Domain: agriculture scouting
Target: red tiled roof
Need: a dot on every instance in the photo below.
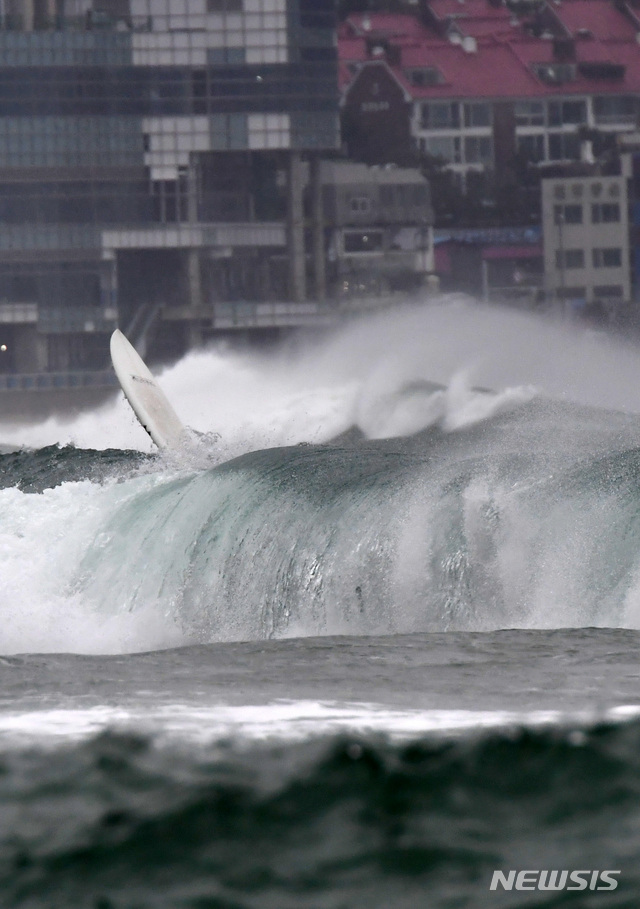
(627, 55)
(480, 28)
(502, 64)
(352, 49)
(387, 24)
(468, 9)
(599, 52)
(493, 71)
(600, 18)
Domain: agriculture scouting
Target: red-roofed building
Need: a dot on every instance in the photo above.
(486, 90)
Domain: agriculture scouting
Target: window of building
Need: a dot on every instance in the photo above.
(169, 203)
(615, 109)
(529, 113)
(419, 195)
(428, 75)
(403, 194)
(571, 293)
(446, 147)
(609, 257)
(561, 113)
(477, 114)
(317, 14)
(217, 56)
(224, 6)
(555, 73)
(440, 115)
(360, 204)
(387, 196)
(574, 112)
(358, 241)
(478, 150)
(608, 290)
(569, 258)
(602, 69)
(532, 148)
(229, 131)
(567, 214)
(605, 212)
(564, 147)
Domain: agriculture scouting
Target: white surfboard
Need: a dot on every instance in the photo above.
(148, 401)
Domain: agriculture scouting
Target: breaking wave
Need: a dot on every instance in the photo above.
(437, 506)
(375, 373)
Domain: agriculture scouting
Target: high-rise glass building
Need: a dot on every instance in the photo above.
(148, 156)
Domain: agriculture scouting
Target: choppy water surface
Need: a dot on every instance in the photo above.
(375, 637)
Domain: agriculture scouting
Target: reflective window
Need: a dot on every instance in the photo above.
(567, 214)
(440, 115)
(478, 150)
(363, 241)
(477, 114)
(608, 257)
(605, 212)
(570, 258)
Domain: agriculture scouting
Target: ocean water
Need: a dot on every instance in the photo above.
(373, 638)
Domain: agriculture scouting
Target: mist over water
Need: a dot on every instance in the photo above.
(312, 389)
(478, 512)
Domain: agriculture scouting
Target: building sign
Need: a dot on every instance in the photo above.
(373, 107)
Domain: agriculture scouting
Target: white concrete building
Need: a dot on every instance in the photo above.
(586, 241)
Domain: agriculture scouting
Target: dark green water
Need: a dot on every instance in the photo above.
(325, 677)
(322, 772)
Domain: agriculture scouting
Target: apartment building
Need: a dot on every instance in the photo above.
(488, 87)
(379, 229)
(587, 242)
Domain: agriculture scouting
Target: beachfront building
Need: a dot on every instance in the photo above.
(151, 167)
(378, 231)
(587, 243)
(491, 89)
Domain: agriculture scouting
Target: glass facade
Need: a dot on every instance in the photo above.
(112, 116)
